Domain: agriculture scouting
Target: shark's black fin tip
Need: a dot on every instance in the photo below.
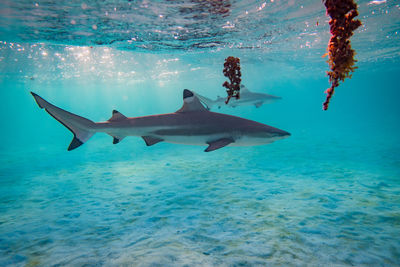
(37, 99)
(74, 144)
(218, 144)
(187, 93)
(115, 141)
(149, 140)
(116, 115)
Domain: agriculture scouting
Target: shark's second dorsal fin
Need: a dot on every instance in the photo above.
(191, 102)
(116, 116)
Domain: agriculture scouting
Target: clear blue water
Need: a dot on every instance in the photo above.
(329, 195)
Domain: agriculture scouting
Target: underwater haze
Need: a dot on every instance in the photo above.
(328, 195)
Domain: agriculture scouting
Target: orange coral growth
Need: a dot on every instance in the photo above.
(341, 55)
(232, 71)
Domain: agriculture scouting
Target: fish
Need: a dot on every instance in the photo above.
(247, 98)
(192, 124)
(376, 2)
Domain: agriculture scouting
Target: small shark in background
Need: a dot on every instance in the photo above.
(192, 124)
(247, 98)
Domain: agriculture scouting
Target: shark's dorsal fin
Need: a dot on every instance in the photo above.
(116, 116)
(244, 89)
(191, 102)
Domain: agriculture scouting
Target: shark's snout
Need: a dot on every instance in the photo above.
(270, 133)
(283, 133)
(278, 133)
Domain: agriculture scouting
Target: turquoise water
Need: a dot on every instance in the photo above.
(329, 195)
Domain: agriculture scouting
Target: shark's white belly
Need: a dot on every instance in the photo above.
(205, 140)
(200, 140)
(195, 139)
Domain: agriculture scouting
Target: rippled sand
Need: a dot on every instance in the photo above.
(172, 205)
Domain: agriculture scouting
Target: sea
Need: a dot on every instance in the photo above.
(328, 195)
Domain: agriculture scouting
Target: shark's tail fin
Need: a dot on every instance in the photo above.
(82, 128)
(206, 101)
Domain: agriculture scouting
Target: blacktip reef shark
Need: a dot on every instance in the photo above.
(247, 98)
(192, 124)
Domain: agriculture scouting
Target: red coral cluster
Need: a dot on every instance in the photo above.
(232, 71)
(341, 55)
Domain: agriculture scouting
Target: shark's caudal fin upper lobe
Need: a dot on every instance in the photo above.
(82, 128)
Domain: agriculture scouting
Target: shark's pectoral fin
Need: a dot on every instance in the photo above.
(74, 144)
(218, 144)
(150, 140)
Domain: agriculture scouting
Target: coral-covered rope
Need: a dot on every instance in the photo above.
(232, 71)
(341, 55)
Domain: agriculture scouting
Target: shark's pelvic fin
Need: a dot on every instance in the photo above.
(116, 116)
(150, 140)
(218, 144)
(81, 127)
(191, 102)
